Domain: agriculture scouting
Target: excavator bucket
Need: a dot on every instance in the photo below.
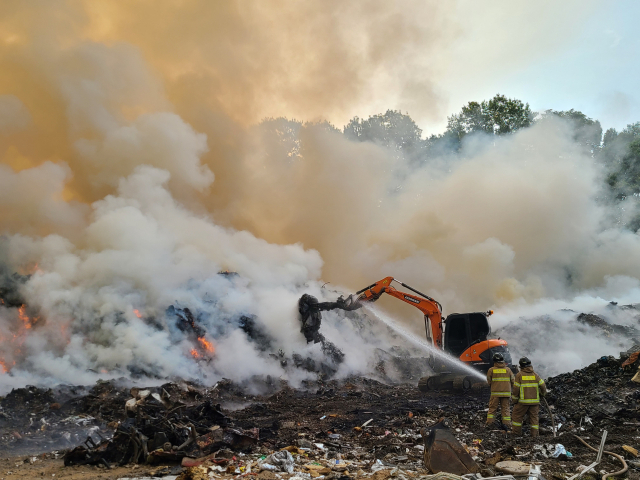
(443, 452)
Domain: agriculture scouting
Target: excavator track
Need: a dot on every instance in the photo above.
(461, 384)
(456, 383)
(426, 384)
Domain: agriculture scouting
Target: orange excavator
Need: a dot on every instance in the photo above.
(463, 336)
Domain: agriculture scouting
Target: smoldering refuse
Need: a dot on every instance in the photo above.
(127, 184)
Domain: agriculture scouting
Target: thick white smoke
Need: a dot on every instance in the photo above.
(128, 180)
(552, 333)
(140, 253)
(97, 299)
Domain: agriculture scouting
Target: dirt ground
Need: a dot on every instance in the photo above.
(45, 467)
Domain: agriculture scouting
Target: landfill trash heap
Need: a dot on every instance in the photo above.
(356, 427)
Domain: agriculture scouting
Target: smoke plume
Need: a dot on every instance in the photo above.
(134, 168)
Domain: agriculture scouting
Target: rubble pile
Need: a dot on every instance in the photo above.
(327, 429)
(599, 396)
(544, 338)
(607, 327)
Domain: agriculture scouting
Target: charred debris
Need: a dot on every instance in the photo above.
(328, 429)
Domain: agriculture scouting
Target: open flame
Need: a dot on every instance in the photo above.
(137, 313)
(16, 339)
(208, 346)
(24, 317)
(29, 269)
(203, 347)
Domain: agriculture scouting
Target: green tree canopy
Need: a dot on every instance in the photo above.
(621, 155)
(281, 137)
(586, 131)
(615, 146)
(392, 129)
(625, 177)
(609, 136)
(498, 116)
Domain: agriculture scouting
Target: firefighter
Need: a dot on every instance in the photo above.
(527, 389)
(500, 378)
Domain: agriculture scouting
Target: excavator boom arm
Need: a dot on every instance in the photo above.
(429, 307)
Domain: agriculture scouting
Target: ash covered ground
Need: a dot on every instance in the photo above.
(355, 427)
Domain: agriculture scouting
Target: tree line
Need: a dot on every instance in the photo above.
(617, 152)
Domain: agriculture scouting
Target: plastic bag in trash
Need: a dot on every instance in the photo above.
(560, 450)
(282, 460)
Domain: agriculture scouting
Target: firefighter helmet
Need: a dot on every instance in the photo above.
(525, 362)
(497, 357)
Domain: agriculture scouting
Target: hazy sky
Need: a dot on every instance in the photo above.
(583, 55)
(330, 59)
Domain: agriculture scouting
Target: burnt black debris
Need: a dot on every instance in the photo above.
(256, 332)
(600, 395)
(185, 320)
(606, 327)
(10, 281)
(341, 426)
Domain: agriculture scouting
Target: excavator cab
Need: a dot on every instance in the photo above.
(464, 329)
(466, 336)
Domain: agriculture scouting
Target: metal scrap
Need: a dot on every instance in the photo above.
(444, 453)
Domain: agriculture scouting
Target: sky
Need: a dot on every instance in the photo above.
(334, 60)
(600, 72)
(584, 56)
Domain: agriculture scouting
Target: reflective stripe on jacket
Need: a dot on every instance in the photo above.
(527, 387)
(500, 377)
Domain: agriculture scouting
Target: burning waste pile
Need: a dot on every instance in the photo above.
(325, 424)
(204, 337)
(164, 251)
(315, 415)
(353, 427)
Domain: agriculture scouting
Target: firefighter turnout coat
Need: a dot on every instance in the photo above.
(527, 389)
(500, 378)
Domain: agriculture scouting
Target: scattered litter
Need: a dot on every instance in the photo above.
(583, 469)
(228, 431)
(535, 472)
(281, 461)
(560, 450)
